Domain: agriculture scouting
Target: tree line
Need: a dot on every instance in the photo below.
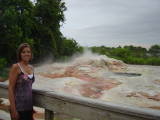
(131, 54)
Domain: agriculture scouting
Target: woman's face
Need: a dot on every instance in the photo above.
(26, 54)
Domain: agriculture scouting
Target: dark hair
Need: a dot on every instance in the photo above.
(20, 49)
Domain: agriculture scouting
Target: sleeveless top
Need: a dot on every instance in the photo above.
(23, 91)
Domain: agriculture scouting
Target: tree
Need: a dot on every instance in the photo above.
(37, 24)
(15, 25)
(155, 50)
(70, 46)
(48, 17)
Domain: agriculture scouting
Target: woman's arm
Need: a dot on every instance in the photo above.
(12, 83)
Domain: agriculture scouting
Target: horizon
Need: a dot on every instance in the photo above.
(113, 23)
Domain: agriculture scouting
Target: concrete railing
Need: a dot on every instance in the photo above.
(85, 108)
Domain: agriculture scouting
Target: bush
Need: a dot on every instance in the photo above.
(3, 63)
(3, 68)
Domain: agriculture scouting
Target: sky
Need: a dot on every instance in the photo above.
(113, 22)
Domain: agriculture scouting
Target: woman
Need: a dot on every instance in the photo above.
(21, 77)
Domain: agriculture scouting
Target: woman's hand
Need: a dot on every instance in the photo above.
(14, 115)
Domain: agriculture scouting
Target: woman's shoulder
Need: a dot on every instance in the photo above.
(15, 67)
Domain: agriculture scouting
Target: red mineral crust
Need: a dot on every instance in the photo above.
(95, 89)
(95, 85)
(155, 97)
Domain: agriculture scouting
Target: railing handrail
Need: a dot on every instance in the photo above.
(59, 102)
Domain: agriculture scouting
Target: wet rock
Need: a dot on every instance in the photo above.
(157, 82)
(155, 97)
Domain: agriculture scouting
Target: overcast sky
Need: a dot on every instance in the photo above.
(113, 22)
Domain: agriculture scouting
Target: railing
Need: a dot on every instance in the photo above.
(85, 108)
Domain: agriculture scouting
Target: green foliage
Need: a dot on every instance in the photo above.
(70, 46)
(37, 24)
(120, 52)
(15, 25)
(3, 69)
(3, 63)
(155, 50)
(132, 54)
(48, 14)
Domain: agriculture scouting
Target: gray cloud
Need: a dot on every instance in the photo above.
(113, 23)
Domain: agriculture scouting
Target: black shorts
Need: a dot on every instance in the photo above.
(26, 115)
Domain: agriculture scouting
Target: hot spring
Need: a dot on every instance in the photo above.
(103, 78)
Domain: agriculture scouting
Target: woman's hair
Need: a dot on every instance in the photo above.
(20, 49)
